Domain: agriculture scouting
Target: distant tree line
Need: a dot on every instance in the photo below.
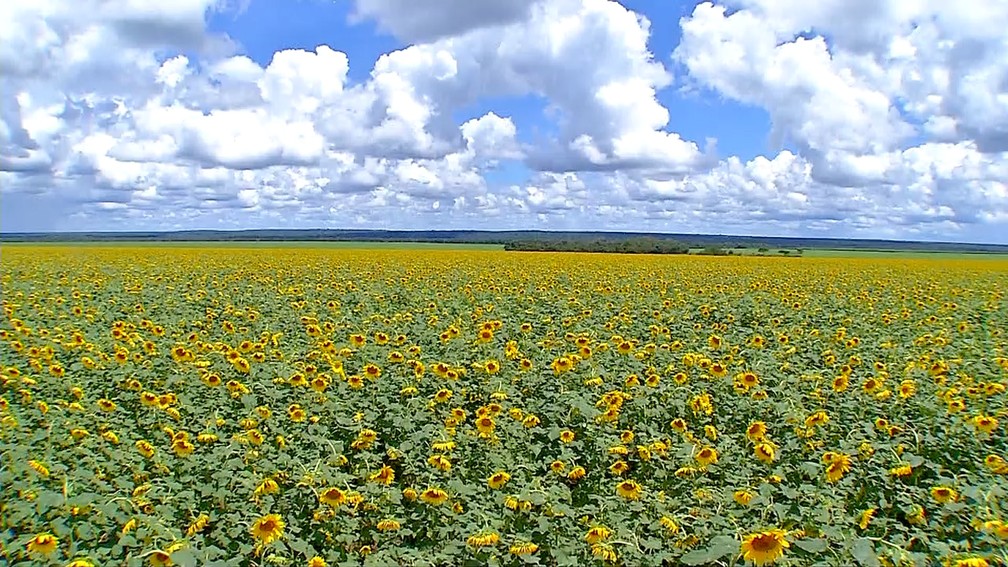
(642, 245)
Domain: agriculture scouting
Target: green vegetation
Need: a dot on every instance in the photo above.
(643, 245)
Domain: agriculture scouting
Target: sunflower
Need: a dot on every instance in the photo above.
(865, 518)
(523, 548)
(388, 525)
(498, 479)
(484, 539)
(748, 380)
(567, 436)
(145, 448)
(756, 431)
(198, 525)
(956, 405)
(267, 486)
(596, 534)
(619, 468)
(183, 447)
(706, 456)
(765, 452)
(907, 388)
(972, 562)
(763, 548)
(817, 418)
(160, 558)
(268, 528)
(944, 494)
(434, 496)
(319, 383)
(562, 364)
(43, 470)
(317, 561)
(985, 423)
(840, 383)
(44, 543)
(629, 490)
(332, 496)
(485, 425)
(296, 413)
(385, 475)
(742, 497)
(839, 464)
(254, 437)
(643, 452)
(440, 462)
(669, 524)
(996, 464)
(902, 470)
(605, 552)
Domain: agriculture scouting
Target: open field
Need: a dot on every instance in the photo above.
(316, 405)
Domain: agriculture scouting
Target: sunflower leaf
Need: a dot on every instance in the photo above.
(864, 552)
(719, 547)
(817, 545)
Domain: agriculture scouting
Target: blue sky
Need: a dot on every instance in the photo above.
(764, 117)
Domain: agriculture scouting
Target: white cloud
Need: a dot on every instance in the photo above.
(492, 137)
(895, 113)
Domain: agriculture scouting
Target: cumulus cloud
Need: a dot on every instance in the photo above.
(889, 118)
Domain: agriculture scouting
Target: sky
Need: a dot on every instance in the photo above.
(827, 118)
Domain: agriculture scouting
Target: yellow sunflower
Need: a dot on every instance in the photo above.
(763, 548)
(268, 528)
(629, 489)
(434, 496)
(498, 479)
(706, 456)
(944, 494)
(765, 452)
(44, 543)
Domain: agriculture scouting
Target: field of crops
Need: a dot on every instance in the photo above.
(299, 406)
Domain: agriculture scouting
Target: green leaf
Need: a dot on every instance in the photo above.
(817, 545)
(185, 557)
(719, 547)
(864, 552)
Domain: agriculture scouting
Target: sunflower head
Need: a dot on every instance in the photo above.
(764, 547)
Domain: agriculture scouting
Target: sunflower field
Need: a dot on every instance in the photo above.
(321, 407)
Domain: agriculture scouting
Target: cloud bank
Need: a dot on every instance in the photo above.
(888, 119)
